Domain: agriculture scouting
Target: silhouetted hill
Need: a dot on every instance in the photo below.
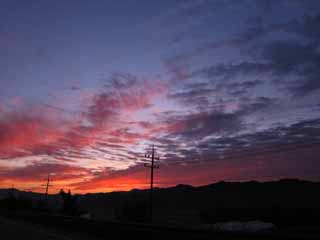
(286, 198)
(4, 193)
(218, 201)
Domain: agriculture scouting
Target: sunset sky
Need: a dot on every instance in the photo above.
(225, 89)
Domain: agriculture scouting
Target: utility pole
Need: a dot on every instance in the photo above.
(47, 185)
(152, 166)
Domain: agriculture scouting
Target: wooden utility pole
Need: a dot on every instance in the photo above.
(47, 185)
(152, 166)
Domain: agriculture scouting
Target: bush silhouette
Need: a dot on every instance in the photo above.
(69, 203)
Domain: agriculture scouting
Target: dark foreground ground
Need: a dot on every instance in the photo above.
(182, 212)
(44, 226)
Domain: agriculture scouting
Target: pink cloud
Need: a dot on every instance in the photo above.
(45, 130)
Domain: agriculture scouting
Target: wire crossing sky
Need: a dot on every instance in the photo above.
(225, 90)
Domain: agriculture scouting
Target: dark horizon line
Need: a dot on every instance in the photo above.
(177, 185)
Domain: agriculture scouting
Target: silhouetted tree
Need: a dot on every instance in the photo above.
(69, 203)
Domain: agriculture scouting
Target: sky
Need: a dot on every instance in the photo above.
(226, 90)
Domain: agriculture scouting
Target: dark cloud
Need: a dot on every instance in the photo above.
(307, 85)
(199, 125)
(231, 71)
(307, 27)
(194, 95)
(204, 96)
(285, 51)
(253, 105)
(204, 135)
(74, 88)
(242, 88)
(186, 10)
(290, 56)
(295, 59)
(288, 140)
(257, 29)
(292, 63)
(216, 118)
(310, 27)
(39, 172)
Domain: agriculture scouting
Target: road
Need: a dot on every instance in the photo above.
(55, 227)
(13, 230)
